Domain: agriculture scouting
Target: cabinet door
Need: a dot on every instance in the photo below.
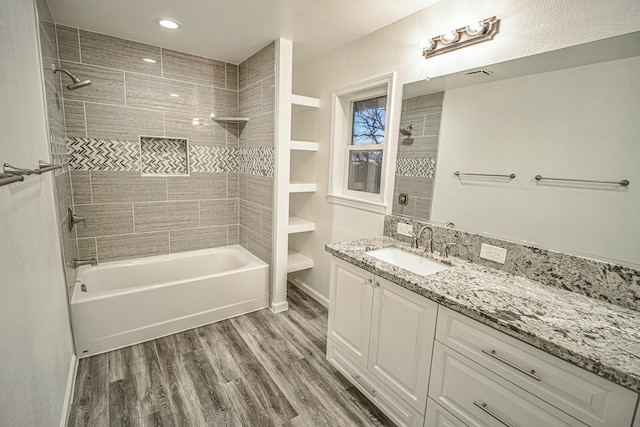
(351, 296)
(437, 416)
(402, 333)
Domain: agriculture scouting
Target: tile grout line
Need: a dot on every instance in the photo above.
(133, 217)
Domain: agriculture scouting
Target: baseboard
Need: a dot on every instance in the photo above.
(68, 395)
(279, 307)
(317, 296)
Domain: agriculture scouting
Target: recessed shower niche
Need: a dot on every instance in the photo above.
(164, 156)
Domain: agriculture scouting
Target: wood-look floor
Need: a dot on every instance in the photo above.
(260, 369)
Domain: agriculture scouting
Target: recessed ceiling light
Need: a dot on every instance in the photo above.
(175, 95)
(169, 23)
(149, 60)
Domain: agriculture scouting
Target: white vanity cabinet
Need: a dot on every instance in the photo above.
(587, 397)
(386, 329)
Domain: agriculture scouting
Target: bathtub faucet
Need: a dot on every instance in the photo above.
(84, 261)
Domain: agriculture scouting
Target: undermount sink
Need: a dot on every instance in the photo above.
(414, 263)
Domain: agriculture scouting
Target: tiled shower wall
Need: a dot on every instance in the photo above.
(57, 133)
(257, 101)
(416, 164)
(129, 214)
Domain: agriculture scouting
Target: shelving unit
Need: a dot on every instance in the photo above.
(300, 225)
(297, 261)
(230, 119)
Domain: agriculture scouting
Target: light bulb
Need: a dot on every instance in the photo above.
(428, 45)
(450, 37)
(477, 28)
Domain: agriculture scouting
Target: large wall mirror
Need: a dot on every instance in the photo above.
(572, 113)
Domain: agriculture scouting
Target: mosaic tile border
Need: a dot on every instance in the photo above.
(419, 167)
(91, 154)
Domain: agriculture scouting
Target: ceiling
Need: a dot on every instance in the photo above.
(232, 30)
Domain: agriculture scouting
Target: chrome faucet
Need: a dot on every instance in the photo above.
(429, 246)
(84, 261)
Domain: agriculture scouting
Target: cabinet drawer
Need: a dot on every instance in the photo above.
(395, 408)
(585, 396)
(437, 416)
(481, 398)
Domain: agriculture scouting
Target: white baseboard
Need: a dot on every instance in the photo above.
(68, 395)
(317, 296)
(279, 307)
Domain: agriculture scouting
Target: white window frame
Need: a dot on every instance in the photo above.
(341, 126)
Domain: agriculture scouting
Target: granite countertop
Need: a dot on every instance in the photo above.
(600, 337)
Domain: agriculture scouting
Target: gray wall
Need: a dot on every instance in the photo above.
(416, 164)
(37, 351)
(131, 215)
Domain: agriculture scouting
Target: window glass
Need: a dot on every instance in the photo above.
(369, 119)
(365, 169)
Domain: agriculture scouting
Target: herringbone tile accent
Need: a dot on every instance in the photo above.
(213, 159)
(256, 161)
(422, 167)
(59, 152)
(163, 156)
(92, 154)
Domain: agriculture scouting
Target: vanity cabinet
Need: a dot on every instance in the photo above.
(384, 328)
(587, 397)
(384, 339)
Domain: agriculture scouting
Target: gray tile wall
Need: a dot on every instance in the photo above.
(57, 134)
(415, 167)
(129, 215)
(256, 83)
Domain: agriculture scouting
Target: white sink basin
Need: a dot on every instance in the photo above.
(414, 263)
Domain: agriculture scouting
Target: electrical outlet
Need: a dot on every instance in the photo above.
(493, 253)
(404, 229)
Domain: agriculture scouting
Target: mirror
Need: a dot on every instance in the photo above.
(571, 113)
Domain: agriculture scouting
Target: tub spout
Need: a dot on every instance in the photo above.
(84, 261)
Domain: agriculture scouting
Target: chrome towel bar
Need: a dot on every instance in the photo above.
(624, 182)
(510, 176)
(11, 174)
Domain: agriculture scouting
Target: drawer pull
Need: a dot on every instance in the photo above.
(357, 379)
(531, 373)
(483, 406)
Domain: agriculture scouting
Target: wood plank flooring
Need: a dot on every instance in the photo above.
(260, 369)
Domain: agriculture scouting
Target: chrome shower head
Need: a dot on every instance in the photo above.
(407, 131)
(77, 83)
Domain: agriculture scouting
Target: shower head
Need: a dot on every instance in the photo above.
(406, 131)
(77, 83)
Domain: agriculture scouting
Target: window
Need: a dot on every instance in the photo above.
(364, 153)
(360, 139)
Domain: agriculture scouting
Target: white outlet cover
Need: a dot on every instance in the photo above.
(493, 253)
(404, 229)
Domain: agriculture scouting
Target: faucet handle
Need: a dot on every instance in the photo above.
(414, 241)
(445, 248)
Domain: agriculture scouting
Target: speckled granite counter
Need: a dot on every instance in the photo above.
(600, 337)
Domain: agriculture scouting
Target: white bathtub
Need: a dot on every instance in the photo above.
(127, 302)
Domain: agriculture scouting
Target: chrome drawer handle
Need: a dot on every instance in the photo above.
(483, 406)
(357, 379)
(531, 373)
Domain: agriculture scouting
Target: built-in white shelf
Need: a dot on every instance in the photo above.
(297, 262)
(301, 103)
(302, 187)
(230, 119)
(304, 146)
(300, 225)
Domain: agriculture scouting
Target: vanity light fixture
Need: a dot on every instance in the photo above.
(473, 33)
(169, 24)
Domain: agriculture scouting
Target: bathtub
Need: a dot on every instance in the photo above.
(128, 302)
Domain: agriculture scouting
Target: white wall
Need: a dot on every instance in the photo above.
(36, 350)
(581, 122)
(527, 27)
